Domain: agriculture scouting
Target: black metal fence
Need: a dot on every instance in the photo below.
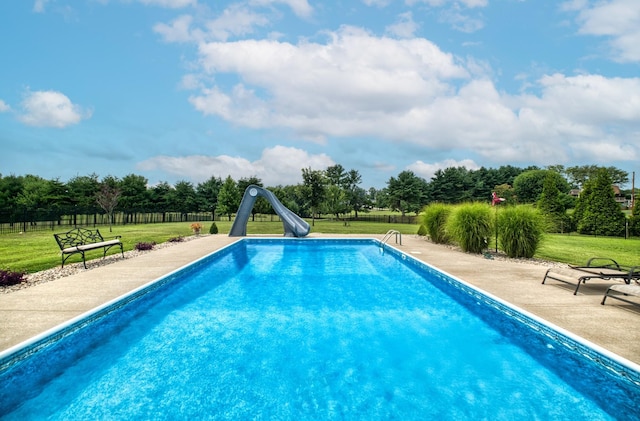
(25, 220)
(39, 220)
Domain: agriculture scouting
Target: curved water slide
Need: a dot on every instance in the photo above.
(294, 226)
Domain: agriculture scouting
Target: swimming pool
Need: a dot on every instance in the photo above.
(312, 329)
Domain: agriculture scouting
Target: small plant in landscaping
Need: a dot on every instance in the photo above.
(178, 239)
(145, 246)
(8, 277)
(213, 229)
(196, 227)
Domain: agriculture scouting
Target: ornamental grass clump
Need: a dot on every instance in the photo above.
(470, 225)
(520, 230)
(434, 219)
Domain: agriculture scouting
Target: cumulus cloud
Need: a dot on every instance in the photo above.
(337, 88)
(236, 20)
(279, 165)
(618, 20)
(50, 109)
(4, 107)
(427, 171)
(348, 87)
(405, 27)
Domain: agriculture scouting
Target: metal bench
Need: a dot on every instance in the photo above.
(80, 240)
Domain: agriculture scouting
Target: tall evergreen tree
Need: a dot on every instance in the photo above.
(602, 215)
(552, 206)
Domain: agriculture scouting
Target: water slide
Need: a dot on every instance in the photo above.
(294, 226)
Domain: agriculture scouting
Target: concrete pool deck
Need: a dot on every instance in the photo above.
(28, 312)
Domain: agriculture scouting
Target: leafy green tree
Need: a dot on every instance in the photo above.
(313, 190)
(335, 202)
(579, 175)
(528, 185)
(229, 197)
(291, 197)
(356, 196)
(601, 213)
(207, 193)
(407, 193)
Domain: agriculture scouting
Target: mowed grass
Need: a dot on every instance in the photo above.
(577, 249)
(36, 251)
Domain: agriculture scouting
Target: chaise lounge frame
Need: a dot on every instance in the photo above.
(603, 268)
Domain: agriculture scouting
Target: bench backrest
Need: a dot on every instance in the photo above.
(78, 237)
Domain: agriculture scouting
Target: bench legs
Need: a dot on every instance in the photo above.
(84, 261)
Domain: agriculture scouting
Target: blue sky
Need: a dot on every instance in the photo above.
(188, 89)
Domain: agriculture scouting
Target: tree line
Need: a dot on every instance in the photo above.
(332, 191)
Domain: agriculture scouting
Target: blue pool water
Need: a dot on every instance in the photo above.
(312, 329)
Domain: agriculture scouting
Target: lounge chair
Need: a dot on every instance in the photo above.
(619, 292)
(602, 268)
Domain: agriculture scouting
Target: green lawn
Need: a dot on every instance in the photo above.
(35, 251)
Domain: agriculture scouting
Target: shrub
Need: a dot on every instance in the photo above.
(520, 230)
(422, 231)
(8, 277)
(178, 239)
(145, 246)
(470, 225)
(434, 219)
(213, 229)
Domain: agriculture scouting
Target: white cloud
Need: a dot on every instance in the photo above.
(4, 107)
(335, 89)
(236, 20)
(178, 31)
(300, 8)
(427, 171)
(405, 27)
(277, 165)
(619, 20)
(461, 21)
(50, 109)
(171, 4)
